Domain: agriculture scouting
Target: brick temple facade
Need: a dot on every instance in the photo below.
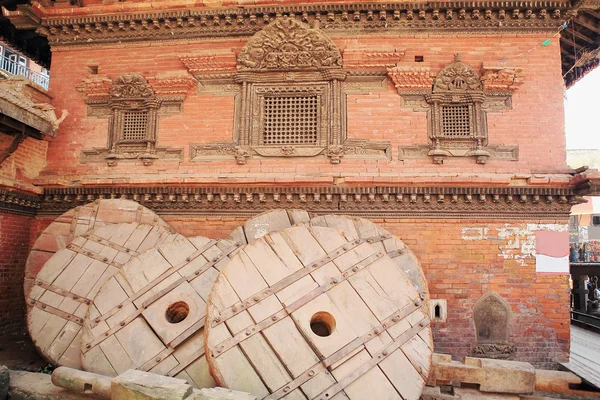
(442, 123)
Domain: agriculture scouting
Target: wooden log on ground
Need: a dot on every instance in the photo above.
(83, 382)
(308, 313)
(69, 280)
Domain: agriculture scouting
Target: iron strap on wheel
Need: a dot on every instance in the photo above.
(55, 311)
(108, 243)
(287, 281)
(254, 329)
(346, 350)
(62, 292)
(190, 331)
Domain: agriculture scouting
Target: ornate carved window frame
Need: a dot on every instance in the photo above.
(132, 93)
(457, 85)
(298, 59)
(129, 94)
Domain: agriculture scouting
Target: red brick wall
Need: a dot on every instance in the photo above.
(26, 162)
(461, 271)
(535, 123)
(14, 247)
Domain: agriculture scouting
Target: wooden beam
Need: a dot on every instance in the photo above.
(583, 37)
(592, 13)
(567, 53)
(17, 140)
(589, 25)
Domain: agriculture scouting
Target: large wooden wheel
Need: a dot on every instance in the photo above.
(361, 228)
(308, 313)
(69, 280)
(353, 228)
(150, 316)
(78, 221)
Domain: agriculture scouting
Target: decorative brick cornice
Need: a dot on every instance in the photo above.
(411, 78)
(362, 59)
(375, 201)
(493, 16)
(14, 202)
(501, 77)
(96, 88)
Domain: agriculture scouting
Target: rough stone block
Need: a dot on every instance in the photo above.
(507, 376)
(139, 385)
(499, 376)
(31, 385)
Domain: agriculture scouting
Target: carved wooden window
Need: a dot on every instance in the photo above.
(292, 102)
(135, 126)
(290, 96)
(290, 119)
(457, 122)
(132, 108)
(135, 111)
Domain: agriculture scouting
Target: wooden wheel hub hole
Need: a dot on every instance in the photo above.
(177, 312)
(322, 324)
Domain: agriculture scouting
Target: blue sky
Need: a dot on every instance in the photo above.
(582, 113)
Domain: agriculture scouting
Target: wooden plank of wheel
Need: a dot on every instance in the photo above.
(353, 228)
(269, 221)
(150, 316)
(309, 313)
(69, 280)
(78, 221)
(361, 228)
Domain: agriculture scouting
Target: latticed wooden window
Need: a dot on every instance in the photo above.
(291, 120)
(135, 126)
(457, 121)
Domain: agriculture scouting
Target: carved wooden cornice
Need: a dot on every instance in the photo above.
(88, 29)
(375, 201)
(13, 202)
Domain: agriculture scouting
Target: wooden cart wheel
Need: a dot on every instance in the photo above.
(270, 221)
(150, 316)
(361, 228)
(307, 313)
(353, 227)
(69, 280)
(78, 221)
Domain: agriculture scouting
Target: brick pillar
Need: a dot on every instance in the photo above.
(14, 247)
